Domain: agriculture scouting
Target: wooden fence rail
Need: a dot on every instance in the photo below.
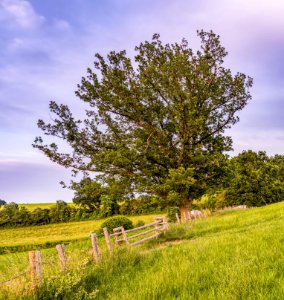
(120, 234)
(123, 236)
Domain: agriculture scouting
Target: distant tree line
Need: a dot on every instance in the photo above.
(14, 215)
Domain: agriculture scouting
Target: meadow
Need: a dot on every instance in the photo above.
(35, 237)
(231, 255)
(33, 206)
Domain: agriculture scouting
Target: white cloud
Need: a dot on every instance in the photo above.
(21, 12)
(61, 24)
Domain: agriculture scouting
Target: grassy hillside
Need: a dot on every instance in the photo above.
(233, 255)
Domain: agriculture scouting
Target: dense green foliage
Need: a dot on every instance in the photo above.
(233, 255)
(92, 195)
(255, 180)
(142, 205)
(13, 215)
(2, 202)
(171, 215)
(250, 178)
(153, 126)
(117, 221)
(213, 200)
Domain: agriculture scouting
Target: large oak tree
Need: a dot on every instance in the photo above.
(154, 125)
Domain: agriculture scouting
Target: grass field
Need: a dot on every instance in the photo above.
(33, 206)
(233, 255)
(32, 237)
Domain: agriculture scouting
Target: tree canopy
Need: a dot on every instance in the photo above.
(255, 179)
(155, 124)
(2, 202)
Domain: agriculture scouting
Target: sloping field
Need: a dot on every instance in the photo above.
(33, 237)
(33, 206)
(233, 255)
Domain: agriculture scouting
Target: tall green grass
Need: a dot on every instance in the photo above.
(234, 255)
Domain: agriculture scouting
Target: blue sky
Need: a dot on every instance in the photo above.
(46, 46)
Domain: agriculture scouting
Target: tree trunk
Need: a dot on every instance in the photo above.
(185, 210)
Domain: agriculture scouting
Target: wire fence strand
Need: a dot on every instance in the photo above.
(14, 278)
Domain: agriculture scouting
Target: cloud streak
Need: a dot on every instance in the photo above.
(21, 13)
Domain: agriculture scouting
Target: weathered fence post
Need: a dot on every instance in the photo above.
(161, 221)
(95, 247)
(32, 268)
(124, 235)
(189, 216)
(108, 241)
(178, 219)
(156, 220)
(38, 267)
(184, 217)
(117, 233)
(165, 224)
(35, 268)
(62, 257)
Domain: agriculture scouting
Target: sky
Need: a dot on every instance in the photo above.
(46, 47)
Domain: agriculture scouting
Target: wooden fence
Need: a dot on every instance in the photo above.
(190, 215)
(124, 236)
(120, 235)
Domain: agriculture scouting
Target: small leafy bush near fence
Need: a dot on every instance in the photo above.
(172, 211)
(117, 221)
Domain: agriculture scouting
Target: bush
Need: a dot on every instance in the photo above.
(117, 221)
(211, 201)
(172, 211)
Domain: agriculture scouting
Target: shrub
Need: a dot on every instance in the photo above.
(172, 211)
(117, 221)
(211, 201)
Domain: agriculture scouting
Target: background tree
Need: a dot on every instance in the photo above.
(60, 212)
(87, 193)
(13, 215)
(2, 202)
(278, 160)
(102, 199)
(255, 180)
(154, 126)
